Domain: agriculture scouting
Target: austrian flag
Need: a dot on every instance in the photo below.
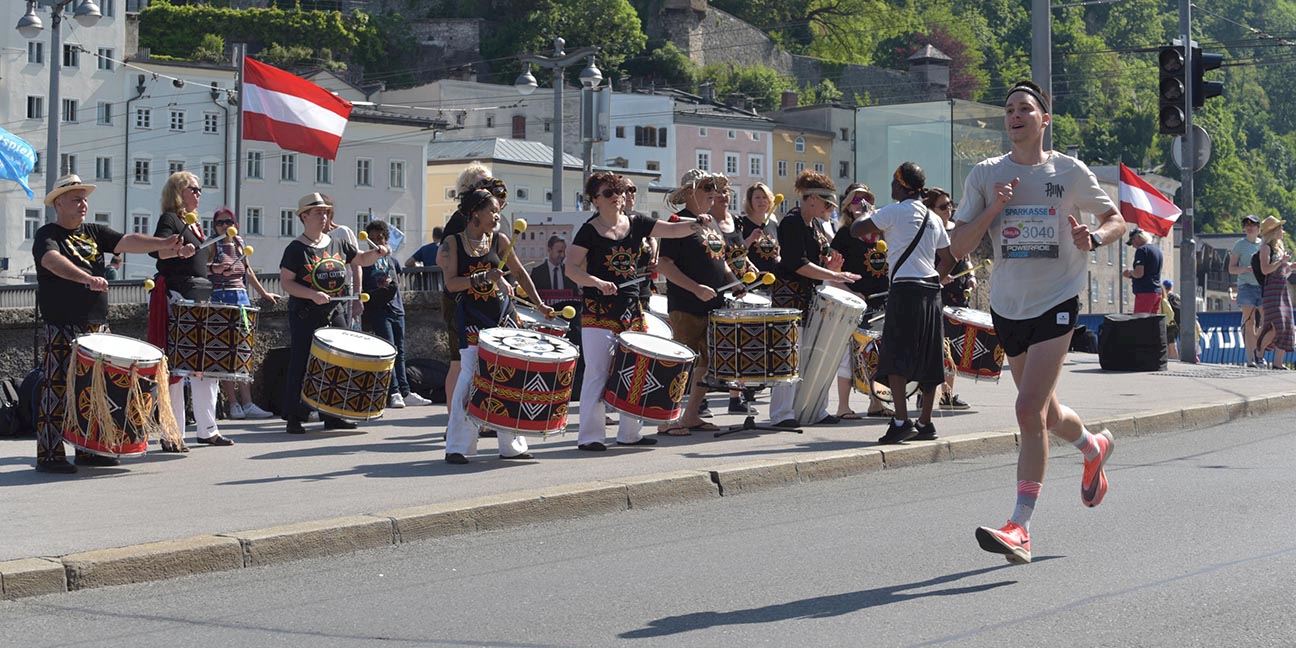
(1141, 204)
(290, 111)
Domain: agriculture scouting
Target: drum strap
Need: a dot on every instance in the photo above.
(912, 244)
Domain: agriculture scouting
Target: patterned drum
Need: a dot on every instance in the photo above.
(211, 339)
(112, 394)
(649, 377)
(348, 374)
(753, 345)
(865, 344)
(534, 320)
(975, 347)
(523, 382)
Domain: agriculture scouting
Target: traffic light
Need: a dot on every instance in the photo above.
(1203, 90)
(1170, 92)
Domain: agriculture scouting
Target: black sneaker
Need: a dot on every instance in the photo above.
(737, 406)
(953, 402)
(55, 466)
(456, 458)
(898, 433)
(295, 427)
(925, 432)
(335, 423)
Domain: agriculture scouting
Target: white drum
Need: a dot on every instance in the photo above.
(657, 304)
(659, 326)
(750, 300)
(834, 316)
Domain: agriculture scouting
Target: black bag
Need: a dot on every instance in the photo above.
(427, 377)
(29, 402)
(8, 408)
(267, 391)
(1083, 340)
(1255, 269)
(1133, 342)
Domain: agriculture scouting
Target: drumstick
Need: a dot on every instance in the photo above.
(362, 297)
(984, 264)
(519, 226)
(230, 233)
(766, 278)
(567, 312)
(364, 236)
(632, 282)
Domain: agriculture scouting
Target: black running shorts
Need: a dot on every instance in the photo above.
(1018, 335)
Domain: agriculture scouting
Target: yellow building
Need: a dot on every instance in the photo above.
(795, 150)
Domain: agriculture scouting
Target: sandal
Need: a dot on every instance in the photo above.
(704, 427)
(850, 415)
(882, 413)
(675, 431)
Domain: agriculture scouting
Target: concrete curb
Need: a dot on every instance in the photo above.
(338, 536)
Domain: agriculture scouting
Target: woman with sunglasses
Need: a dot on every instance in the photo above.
(230, 274)
(954, 292)
(862, 257)
(470, 263)
(736, 255)
(604, 254)
(804, 260)
(184, 278)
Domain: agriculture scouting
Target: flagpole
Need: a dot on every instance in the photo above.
(240, 50)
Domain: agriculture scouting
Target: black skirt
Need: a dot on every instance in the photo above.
(913, 337)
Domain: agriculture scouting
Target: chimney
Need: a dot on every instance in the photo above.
(706, 90)
(735, 99)
(931, 66)
(789, 100)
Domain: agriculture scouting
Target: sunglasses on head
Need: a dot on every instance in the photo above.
(709, 185)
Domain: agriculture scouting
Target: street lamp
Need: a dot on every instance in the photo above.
(558, 62)
(30, 26)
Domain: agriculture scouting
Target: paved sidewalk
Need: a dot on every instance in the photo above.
(271, 478)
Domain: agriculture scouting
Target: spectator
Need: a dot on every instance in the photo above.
(384, 314)
(1273, 264)
(550, 273)
(426, 256)
(1145, 276)
(1248, 290)
(113, 271)
(1172, 322)
(230, 276)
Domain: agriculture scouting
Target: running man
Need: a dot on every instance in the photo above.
(1030, 201)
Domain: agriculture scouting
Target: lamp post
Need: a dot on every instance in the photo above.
(559, 61)
(30, 26)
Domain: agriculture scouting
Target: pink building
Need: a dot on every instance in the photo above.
(722, 139)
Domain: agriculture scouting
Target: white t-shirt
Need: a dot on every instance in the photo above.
(899, 224)
(1037, 265)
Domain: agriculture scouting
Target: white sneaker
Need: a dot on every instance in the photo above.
(313, 417)
(253, 412)
(415, 400)
(236, 411)
(396, 402)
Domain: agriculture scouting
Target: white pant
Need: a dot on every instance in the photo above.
(203, 392)
(596, 347)
(461, 434)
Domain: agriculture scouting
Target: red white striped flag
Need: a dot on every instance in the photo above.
(1141, 204)
(290, 111)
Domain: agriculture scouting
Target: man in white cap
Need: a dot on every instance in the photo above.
(71, 259)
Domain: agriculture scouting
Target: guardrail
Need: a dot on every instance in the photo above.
(131, 291)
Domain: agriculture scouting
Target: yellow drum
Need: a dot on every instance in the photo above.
(348, 374)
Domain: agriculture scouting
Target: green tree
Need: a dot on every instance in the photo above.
(764, 85)
(211, 49)
(666, 66)
(612, 25)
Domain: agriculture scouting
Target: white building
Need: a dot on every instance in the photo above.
(643, 135)
(834, 118)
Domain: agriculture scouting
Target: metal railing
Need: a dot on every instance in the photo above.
(131, 291)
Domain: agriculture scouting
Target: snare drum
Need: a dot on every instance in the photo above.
(534, 320)
(973, 344)
(655, 325)
(348, 374)
(649, 377)
(753, 345)
(657, 304)
(211, 339)
(523, 382)
(112, 395)
(749, 300)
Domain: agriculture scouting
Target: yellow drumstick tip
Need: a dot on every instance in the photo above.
(231, 231)
(148, 285)
(778, 199)
(363, 235)
(248, 250)
(191, 217)
(767, 278)
(988, 264)
(519, 226)
(364, 298)
(881, 246)
(520, 291)
(749, 277)
(567, 312)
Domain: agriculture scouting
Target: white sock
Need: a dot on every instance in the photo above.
(1088, 445)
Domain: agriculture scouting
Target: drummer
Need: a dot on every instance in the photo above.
(604, 254)
(862, 257)
(694, 267)
(804, 255)
(313, 271)
(735, 250)
(470, 263)
(230, 275)
(184, 279)
(955, 292)
(72, 294)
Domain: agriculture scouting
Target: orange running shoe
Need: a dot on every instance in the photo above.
(1093, 482)
(1012, 540)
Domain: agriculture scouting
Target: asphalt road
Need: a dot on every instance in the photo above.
(1195, 546)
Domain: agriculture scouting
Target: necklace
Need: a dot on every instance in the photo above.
(477, 247)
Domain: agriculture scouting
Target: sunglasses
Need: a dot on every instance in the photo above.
(945, 205)
(225, 223)
(495, 186)
(608, 193)
(630, 189)
(196, 190)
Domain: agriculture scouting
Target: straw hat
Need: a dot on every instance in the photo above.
(1269, 224)
(313, 200)
(691, 179)
(70, 182)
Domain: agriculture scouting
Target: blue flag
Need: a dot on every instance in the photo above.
(17, 160)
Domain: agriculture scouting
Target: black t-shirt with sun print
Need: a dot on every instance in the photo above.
(616, 261)
(319, 268)
(68, 302)
(764, 251)
(700, 256)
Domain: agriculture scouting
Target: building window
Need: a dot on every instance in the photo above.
(35, 52)
(103, 114)
(800, 166)
(782, 168)
(733, 198)
(140, 223)
(143, 118)
(177, 120)
(523, 194)
(175, 166)
(1111, 293)
(1093, 289)
(519, 127)
(35, 107)
(107, 8)
(490, 121)
(620, 132)
(31, 223)
(732, 135)
(661, 137)
(105, 58)
(364, 175)
(798, 145)
(704, 160)
(649, 136)
(396, 220)
(323, 171)
(755, 165)
(67, 163)
(288, 167)
(362, 219)
(845, 133)
(731, 164)
(397, 173)
(819, 167)
(843, 169)
(755, 137)
(103, 218)
(252, 223)
(70, 108)
(210, 175)
(653, 165)
(548, 126)
(211, 123)
(254, 165)
(1111, 254)
(702, 132)
(287, 223)
(71, 55)
(206, 223)
(36, 168)
(103, 168)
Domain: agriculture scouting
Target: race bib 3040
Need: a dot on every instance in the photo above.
(1030, 232)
